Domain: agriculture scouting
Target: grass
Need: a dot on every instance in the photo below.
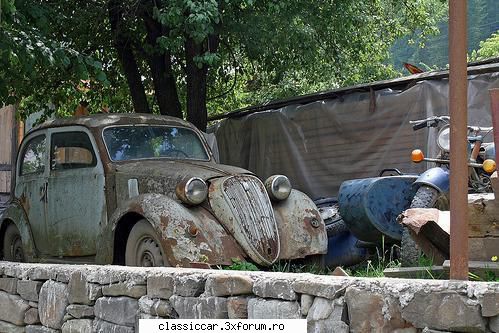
(239, 265)
(487, 276)
(286, 266)
(385, 257)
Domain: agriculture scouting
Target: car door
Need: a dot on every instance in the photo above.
(76, 201)
(31, 186)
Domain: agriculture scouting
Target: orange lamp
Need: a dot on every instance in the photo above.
(489, 166)
(417, 156)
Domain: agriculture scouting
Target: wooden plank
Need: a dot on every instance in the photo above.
(480, 268)
(9, 180)
(3, 182)
(430, 229)
(6, 130)
(432, 272)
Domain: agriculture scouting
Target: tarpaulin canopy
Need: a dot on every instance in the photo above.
(321, 140)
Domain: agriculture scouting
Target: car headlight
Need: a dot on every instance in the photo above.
(192, 191)
(443, 138)
(278, 187)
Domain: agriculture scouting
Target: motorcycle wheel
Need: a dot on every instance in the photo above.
(425, 197)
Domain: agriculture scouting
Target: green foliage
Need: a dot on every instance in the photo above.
(371, 269)
(287, 266)
(46, 62)
(280, 266)
(285, 49)
(385, 258)
(489, 48)
(486, 276)
(239, 265)
(433, 52)
(254, 51)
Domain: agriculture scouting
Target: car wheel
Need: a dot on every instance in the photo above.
(143, 247)
(12, 244)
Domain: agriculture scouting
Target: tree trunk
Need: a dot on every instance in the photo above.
(127, 58)
(165, 85)
(196, 86)
(197, 80)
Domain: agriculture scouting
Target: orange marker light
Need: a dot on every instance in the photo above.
(489, 166)
(417, 156)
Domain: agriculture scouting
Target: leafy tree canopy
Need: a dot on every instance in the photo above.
(35, 67)
(489, 48)
(186, 57)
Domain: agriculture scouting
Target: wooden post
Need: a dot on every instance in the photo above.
(458, 91)
(494, 108)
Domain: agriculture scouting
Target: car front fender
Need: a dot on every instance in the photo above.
(15, 214)
(301, 229)
(188, 234)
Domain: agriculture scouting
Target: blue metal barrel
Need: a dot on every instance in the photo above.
(343, 250)
(370, 206)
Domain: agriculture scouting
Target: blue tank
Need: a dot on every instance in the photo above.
(343, 250)
(370, 206)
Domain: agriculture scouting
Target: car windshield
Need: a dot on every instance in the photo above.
(141, 142)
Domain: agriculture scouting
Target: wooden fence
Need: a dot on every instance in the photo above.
(8, 142)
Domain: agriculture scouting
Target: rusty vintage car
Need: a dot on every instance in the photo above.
(144, 190)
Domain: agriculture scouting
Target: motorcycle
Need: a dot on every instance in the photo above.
(433, 184)
(369, 207)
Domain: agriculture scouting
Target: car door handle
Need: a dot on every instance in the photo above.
(44, 192)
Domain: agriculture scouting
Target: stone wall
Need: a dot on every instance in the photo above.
(67, 298)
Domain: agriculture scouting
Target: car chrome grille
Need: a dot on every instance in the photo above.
(251, 206)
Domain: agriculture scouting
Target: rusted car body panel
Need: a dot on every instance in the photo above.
(15, 213)
(187, 235)
(81, 213)
(300, 225)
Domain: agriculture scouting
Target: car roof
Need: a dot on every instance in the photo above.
(104, 120)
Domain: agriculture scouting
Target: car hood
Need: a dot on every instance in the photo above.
(177, 169)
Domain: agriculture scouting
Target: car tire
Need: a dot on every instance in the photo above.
(143, 247)
(12, 244)
(336, 228)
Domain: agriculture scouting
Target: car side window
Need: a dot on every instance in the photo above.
(71, 150)
(34, 156)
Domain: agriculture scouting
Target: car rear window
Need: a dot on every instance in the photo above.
(34, 156)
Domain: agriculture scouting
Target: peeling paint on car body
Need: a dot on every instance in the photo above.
(236, 221)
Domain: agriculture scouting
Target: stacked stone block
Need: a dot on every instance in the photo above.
(37, 298)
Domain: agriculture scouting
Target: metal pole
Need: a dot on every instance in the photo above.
(494, 107)
(458, 90)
